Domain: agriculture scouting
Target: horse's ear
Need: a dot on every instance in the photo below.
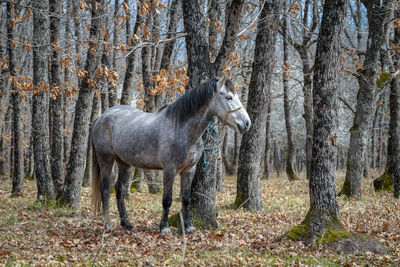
(221, 81)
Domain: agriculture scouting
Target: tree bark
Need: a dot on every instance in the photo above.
(131, 62)
(267, 151)
(367, 78)
(322, 225)
(391, 177)
(112, 90)
(83, 108)
(13, 54)
(57, 144)
(285, 78)
(40, 112)
(252, 146)
(89, 153)
(200, 69)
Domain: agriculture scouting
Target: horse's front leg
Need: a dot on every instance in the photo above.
(168, 183)
(186, 182)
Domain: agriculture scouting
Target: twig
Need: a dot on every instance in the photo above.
(203, 196)
(347, 104)
(184, 238)
(102, 243)
(241, 205)
(251, 24)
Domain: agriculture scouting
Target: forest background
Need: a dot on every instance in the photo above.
(63, 63)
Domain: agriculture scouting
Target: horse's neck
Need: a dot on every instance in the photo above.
(196, 126)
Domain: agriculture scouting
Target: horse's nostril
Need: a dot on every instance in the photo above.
(247, 124)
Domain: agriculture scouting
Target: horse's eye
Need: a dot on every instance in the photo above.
(228, 97)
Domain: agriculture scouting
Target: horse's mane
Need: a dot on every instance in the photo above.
(191, 102)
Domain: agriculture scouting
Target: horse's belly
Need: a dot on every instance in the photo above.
(140, 157)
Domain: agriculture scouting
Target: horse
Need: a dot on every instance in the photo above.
(168, 140)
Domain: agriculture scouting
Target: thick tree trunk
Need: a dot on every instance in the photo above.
(391, 177)
(200, 70)
(252, 146)
(394, 135)
(40, 112)
(285, 78)
(322, 225)
(18, 138)
(204, 181)
(367, 78)
(83, 108)
(57, 144)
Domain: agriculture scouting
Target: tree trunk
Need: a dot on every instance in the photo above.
(248, 181)
(285, 78)
(367, 78)
(267, 151)
(88, 166)
(13, 54)
(57, 144)
(131, 62)
(40, 112)
(5, 166)
(83, 108)
(391, 177)
(200, 70)
(173, 23)
(112, 90)
(322, 225)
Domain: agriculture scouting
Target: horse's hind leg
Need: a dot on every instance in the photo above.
(121, 187)
(186, 182)
(106, 164)
(168, 183)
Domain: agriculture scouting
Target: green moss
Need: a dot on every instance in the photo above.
(382, 79)
(354, 128)
(302, 230)
(346, 186)
(112, 190)
(384, 182)
(299, 232)
(332, 235)
(333, 228)
(40, 203)
(290, 172)
(175, 221)
(239, 199)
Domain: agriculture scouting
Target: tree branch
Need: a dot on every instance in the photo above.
(347, 104)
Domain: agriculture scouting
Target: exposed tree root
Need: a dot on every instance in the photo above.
(325, 230)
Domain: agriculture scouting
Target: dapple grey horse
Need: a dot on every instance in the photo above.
(168, 140)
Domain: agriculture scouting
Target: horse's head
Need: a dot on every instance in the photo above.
(228, 108)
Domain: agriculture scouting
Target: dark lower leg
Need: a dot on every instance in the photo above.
(120, 190)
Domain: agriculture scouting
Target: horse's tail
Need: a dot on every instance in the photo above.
(96, 183)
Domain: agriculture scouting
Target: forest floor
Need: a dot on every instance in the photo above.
(34, 235)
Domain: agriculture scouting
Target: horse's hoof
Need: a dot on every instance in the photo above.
(190, 230)
(166, 231)
(127, 225)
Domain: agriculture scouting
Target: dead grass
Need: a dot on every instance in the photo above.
(51, 236)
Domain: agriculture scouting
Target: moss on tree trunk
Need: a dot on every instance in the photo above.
(384, 182)
(290, 171)
(324, 229)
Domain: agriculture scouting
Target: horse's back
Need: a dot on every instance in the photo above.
(128, 134)
(102, 130)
